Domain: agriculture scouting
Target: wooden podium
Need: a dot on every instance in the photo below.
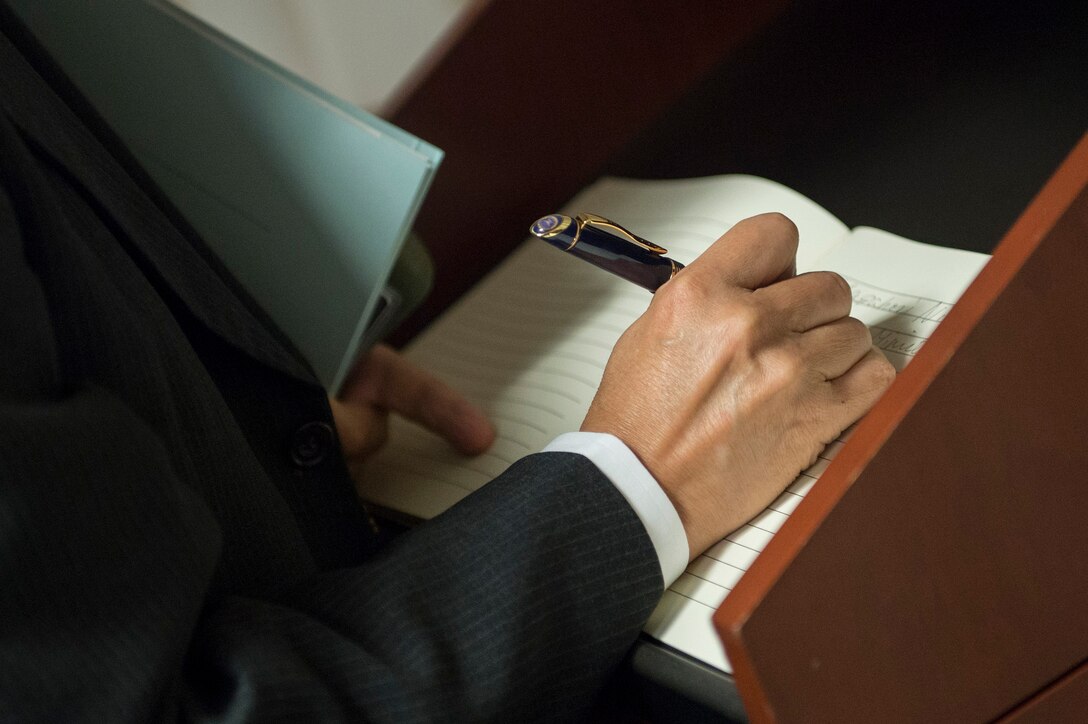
(939, 570)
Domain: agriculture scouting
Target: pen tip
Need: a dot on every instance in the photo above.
(550, 225)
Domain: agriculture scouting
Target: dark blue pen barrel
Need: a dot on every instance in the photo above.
(622, 258)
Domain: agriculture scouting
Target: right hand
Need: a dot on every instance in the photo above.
(737, 376)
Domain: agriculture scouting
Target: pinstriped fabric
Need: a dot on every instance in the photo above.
(162, 557)
(545, 581)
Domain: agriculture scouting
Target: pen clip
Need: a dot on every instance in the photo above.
(617, 230)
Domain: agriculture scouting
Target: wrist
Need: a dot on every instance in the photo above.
(641, 490)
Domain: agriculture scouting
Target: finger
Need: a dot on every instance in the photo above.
(858, 389)
(395, 384)
(362, 429)
(833, 349)
(809, 300)
(756, 252)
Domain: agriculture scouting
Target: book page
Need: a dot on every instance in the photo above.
(902, 290)
(529, 343)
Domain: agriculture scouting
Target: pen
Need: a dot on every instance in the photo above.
(608, 245)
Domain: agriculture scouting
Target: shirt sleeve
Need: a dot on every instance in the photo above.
(641, 490)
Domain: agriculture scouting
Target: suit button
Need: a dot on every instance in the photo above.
(311, 444)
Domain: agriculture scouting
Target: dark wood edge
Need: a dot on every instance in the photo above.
(1044, 212)
(1066, 700)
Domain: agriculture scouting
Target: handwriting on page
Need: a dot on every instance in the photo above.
(900, 323)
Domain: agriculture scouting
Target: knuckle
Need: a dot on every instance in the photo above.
(859, 332)
(681, 299)
(783, 365)
(778, 223)
(775, 226)
(744, 323)
(683, 290)
(838, 287)
(881, 371)
(886, 374)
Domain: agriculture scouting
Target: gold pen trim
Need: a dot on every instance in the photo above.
(600, 221)
(577, 232)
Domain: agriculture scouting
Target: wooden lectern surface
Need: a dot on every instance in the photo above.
(938, 570)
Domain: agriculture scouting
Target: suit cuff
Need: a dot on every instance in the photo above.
(635, 483)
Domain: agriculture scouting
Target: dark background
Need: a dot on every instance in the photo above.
(938, 121)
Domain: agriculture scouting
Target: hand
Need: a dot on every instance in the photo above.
(385, 382)
(736, 377)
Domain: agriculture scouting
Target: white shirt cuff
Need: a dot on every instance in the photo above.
(635, 483)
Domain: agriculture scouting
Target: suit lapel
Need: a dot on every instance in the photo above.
(123, 192)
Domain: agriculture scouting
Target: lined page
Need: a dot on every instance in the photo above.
(902, 290)
(529, 343)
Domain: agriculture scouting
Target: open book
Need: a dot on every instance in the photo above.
(529, 343)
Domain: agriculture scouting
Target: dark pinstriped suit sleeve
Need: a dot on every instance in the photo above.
(513, 606)
(510, 607)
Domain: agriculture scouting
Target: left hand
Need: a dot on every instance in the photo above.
(383, 382)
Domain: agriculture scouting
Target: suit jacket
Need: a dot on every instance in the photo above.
(179, 537)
